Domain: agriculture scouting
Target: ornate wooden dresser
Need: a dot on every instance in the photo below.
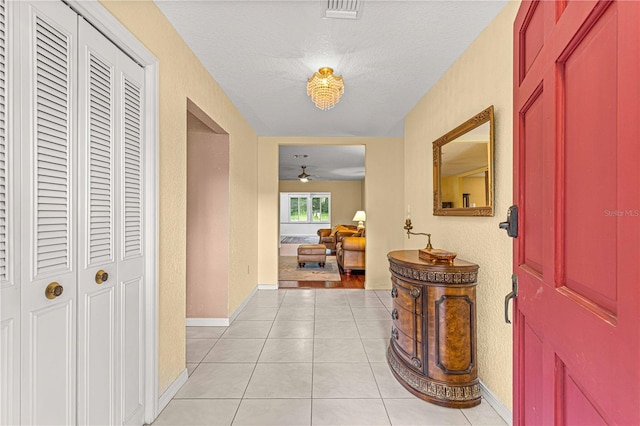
(432, 351)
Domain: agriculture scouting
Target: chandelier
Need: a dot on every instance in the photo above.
(325, 88)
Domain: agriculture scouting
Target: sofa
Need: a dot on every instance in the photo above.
(331, 236)
(350, 253)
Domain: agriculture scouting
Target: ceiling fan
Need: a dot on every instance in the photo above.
(304, 176)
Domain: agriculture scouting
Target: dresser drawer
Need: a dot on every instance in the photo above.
(408, 349)
(407, 322)
(406, 296)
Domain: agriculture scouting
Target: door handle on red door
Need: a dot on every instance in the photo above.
(511, 224)
(508, 297)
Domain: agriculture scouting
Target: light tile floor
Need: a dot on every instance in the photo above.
(303, 357)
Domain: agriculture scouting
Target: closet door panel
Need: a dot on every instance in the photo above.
(9, 371)
(9, 223)
(5, 183)
(132, 368)
(131, 258)
(48, 31)
(97, 290)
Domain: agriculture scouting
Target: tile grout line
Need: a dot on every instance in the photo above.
(313, 354)
(374, 374)
(466, 418)
(255, 365)
(384, 404)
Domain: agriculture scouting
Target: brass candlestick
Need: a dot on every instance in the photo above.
(408, 227)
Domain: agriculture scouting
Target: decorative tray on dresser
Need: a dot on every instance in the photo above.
(432, 351)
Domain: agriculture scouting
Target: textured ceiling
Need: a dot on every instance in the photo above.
(262, 53)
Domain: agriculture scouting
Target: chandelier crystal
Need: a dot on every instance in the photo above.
(325, 88)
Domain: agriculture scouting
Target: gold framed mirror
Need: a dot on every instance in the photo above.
(463, 168)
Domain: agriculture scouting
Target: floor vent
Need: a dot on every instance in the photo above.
(342, 9)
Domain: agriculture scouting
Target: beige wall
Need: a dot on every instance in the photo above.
(382, 192)
(450, 187)
(482, 76)
(207, 221)
(474, 186)
(182, 76)
(346, 196)
(453, 187)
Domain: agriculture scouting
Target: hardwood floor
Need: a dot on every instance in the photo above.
(355, 280)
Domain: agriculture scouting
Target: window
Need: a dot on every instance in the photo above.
(320, 209)
(298, 209)
(309, 207)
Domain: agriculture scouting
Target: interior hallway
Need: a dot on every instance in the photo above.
(303, 357)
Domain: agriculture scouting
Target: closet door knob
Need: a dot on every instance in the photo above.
(101, 276)
(53, 290)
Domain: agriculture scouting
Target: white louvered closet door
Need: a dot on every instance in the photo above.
(9, 224)
(82, 348)
(48, 358)
(131, 252)
(97, 292)
(111, 261)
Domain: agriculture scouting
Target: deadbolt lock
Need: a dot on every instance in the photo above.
(53, 290)
(101, 276)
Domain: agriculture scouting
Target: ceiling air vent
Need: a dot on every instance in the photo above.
(342, 9)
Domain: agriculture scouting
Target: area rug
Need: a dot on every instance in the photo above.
(305, 239)
(288, 270)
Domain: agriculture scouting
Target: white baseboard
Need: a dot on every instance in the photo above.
(172, 390)
(497, 405)
(225, 322)
(267, 286)
(235, 314)
(208, 322)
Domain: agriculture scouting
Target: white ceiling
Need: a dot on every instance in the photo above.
(262, 53)
(345, 162)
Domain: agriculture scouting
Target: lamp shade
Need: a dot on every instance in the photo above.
(360, 216)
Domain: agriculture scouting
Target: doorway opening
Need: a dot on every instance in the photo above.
(207, 220)
(321, 187)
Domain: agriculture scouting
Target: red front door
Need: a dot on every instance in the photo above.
(577, 180)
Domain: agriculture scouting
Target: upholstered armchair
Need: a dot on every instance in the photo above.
(330, 237)
(350, 253)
